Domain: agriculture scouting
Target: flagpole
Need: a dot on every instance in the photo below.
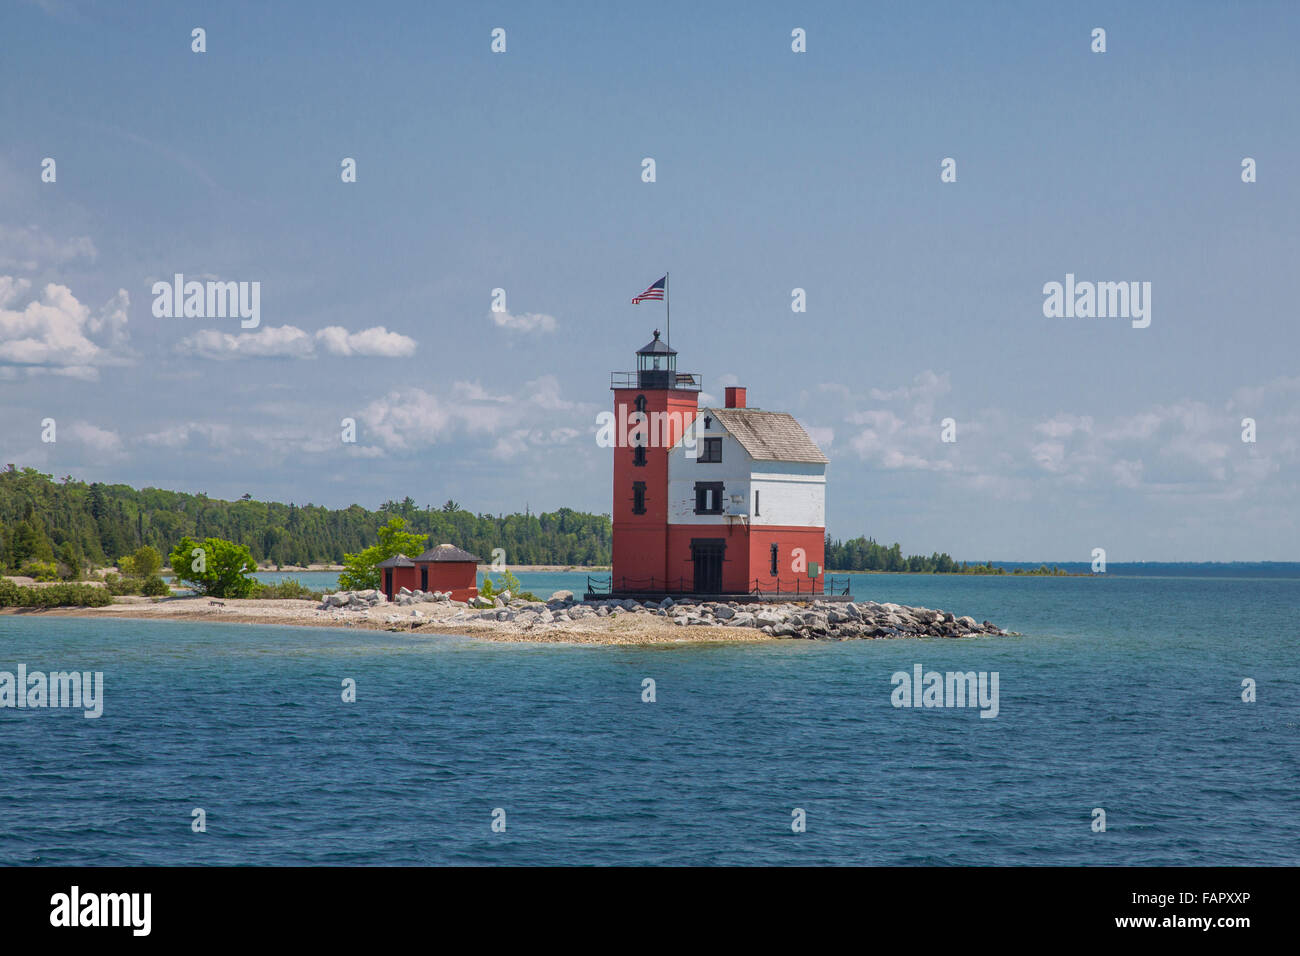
(668, 312)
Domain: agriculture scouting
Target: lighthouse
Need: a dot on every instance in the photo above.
(711, 502)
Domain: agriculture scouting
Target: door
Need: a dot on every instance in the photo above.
(707, 554)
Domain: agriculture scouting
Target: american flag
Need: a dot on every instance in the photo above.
(655, 292)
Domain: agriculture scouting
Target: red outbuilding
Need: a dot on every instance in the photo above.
(448, 568)
(444, 568)
(397, 572)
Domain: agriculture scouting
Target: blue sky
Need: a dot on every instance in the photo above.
(775, 171)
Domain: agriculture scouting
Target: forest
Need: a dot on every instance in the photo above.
(73, 524)
(78, 524)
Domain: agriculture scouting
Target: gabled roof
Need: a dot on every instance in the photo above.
(396, 561)
(448, 552)
(769, 436)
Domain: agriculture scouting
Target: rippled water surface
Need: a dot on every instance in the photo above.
(1122, 693)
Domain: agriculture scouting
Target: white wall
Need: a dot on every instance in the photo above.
(791, 493)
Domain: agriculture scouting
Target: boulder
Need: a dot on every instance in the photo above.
(724, 612)
(562, 596)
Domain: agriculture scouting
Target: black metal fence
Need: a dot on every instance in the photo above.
(652, 585)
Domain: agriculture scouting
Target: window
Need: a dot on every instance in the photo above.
(708, 497)
(638, 455)
(640, 403)
(712, 450)
(638, 497)
(755, 503)
(775, 552)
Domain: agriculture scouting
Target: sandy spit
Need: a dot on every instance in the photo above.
(616, 629)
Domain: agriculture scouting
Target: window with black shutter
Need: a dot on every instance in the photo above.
(711, 452)
(638, 497)
(775, 552)
(708, 497)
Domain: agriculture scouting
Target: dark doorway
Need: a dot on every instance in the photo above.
(424, 578)
(707, 554)
(388, 583)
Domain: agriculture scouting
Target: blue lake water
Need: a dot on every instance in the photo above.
(1122, 693)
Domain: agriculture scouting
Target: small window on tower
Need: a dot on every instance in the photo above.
(712, 450)
(640, 403)
(638, 497)
(638, 455)
(775, 552)
(755, 504)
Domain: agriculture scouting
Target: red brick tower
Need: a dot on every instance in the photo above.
(653, 406)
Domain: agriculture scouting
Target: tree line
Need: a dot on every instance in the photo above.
(77, 524)
(867, 554)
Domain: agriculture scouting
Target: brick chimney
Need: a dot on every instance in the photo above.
(735, 396)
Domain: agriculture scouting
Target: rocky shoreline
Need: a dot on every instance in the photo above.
(815, 620)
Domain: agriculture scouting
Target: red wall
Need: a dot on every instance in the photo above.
(402, 578)
(458, 577)
(748, 554)
(641, 541)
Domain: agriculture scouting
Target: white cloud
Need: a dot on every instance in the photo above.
(413, 418)
(102, 441)
(288, 341)
(28, 249)
(524, 322)
(54, 334)
(284, 341)
(377, 341)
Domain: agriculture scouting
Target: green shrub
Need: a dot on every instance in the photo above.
(116, 584)
(291, 589)
(508, 583)
(41, 570)
(154, 586)
(144, 563)
(57, 595)
(217, 568)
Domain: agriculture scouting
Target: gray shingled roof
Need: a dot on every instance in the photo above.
(447, 552)
(396, 561)
(769, 436)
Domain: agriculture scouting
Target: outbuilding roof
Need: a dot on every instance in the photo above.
(769, 436)
(448, 552)
(396, 561)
